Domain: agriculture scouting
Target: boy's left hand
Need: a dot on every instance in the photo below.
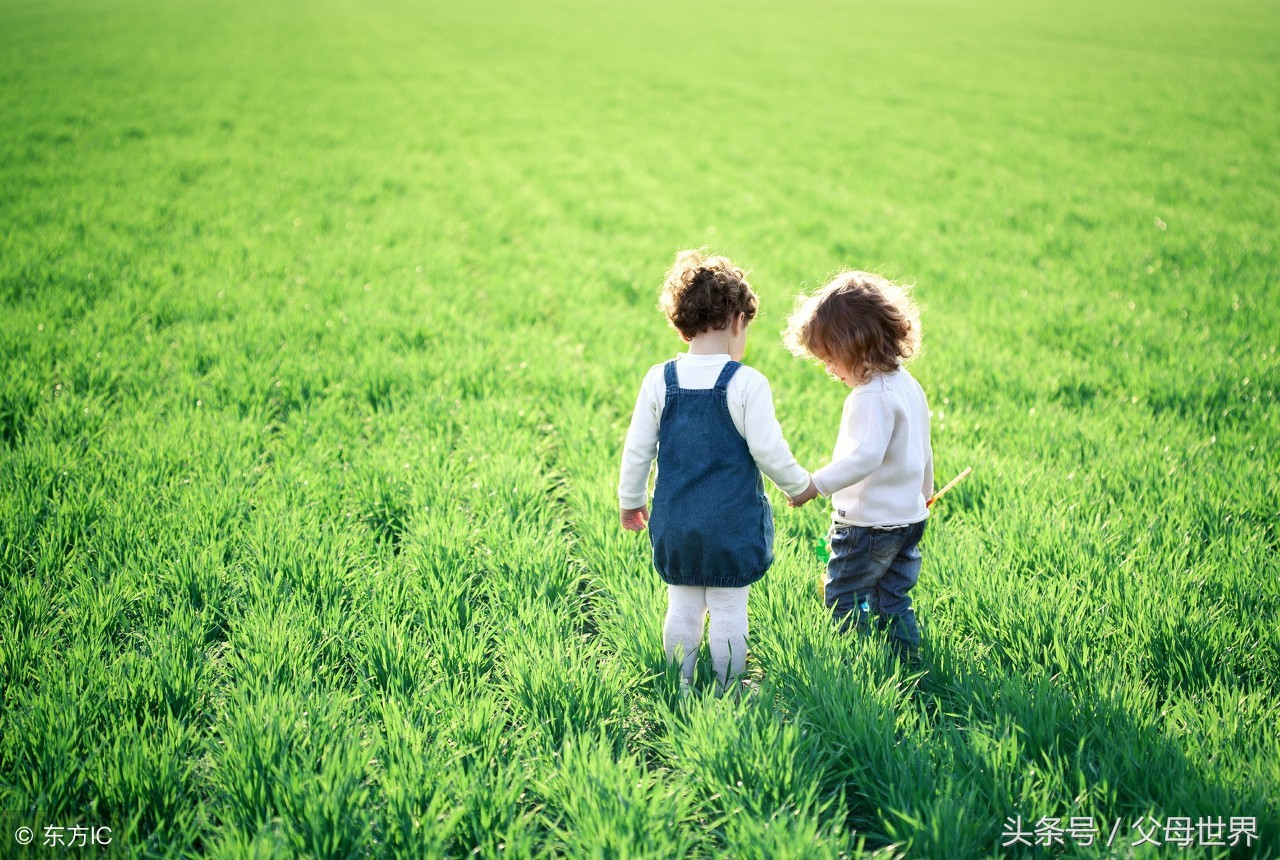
(808, 495)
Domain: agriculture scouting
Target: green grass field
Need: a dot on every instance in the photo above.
(322, 324)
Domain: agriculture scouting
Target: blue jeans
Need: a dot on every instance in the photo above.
(871, 571)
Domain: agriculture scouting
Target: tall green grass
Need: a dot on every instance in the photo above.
(322, 325)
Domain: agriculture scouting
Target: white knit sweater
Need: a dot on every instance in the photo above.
(881, 473)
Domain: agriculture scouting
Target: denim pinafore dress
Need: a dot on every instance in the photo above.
(711, 523)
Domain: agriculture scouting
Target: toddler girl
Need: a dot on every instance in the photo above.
(862, 326)
(709, 420)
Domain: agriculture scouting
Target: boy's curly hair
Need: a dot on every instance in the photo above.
(705, 293)
(861, 319)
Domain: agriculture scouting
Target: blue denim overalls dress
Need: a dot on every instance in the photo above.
(711, 523)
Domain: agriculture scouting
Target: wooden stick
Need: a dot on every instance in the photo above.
(957, 479)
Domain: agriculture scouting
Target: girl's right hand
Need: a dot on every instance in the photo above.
(634, 520)
(810, 493)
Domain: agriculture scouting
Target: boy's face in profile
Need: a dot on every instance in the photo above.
(841, 371)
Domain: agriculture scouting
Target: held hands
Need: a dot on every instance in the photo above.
(634, 519)
(808, 495)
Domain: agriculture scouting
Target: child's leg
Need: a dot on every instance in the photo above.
(682, 630)
(727, 634)
(851, 579)
(893, 593)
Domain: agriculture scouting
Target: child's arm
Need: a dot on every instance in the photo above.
(765, 441)
(638, 453)
(926, 487)
(868, 424)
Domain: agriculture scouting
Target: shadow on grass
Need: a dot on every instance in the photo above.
(944, 759)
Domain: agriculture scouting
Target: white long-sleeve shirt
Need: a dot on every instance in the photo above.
(750, 405)
(881, 473)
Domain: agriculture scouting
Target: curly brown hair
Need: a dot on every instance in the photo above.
(705, 293)
(862, 320)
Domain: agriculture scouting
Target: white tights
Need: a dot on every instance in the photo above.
(687, 606)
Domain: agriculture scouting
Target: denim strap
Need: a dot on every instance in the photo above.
(726, 374)
(669, 374)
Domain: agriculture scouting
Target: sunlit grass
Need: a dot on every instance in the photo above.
(322, 326)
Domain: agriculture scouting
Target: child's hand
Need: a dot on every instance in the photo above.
(808, 495)
(634, 520)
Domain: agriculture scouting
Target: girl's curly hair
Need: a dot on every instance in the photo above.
(863, 320)
(705, 293)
